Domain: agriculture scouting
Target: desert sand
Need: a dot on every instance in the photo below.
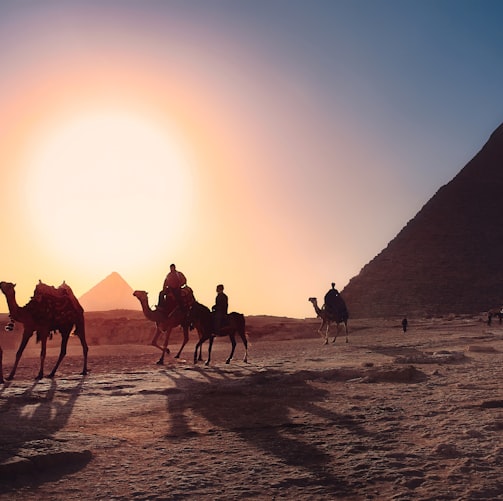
(389, 415)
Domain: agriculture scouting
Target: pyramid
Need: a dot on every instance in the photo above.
(112, 293)
(448, 258)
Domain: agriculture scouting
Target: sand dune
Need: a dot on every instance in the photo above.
(386, 416)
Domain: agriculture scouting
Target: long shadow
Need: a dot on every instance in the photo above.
(258, 408)
(29, 419)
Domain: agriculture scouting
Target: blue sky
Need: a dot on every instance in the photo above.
(320, 128)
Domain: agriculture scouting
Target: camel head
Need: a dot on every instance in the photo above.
(143, 298)
(141, 295)
(315, 304)
(7, 287)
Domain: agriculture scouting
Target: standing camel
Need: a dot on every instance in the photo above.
(166, 319)
(340, 315)
(494, 312)
(49, 310)
(202, 319)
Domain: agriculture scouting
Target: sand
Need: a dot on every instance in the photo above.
(386, 416)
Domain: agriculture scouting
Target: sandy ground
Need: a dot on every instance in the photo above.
(389, 416)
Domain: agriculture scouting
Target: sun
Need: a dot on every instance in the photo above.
(108, 188)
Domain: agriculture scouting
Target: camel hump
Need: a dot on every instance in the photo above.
(337, 305)
(61, 294)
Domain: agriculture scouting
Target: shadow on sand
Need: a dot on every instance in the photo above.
(271, 411)
(30, 418)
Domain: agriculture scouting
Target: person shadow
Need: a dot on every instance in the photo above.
(272, 411)
(29, 421)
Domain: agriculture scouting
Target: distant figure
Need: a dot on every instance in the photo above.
(174, 281)
(405, 323)
(220, 308)
(489, 318)
(331, 300)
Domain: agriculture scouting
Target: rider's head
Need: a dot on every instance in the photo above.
(220, 288)
(172, 267)
(333, 285)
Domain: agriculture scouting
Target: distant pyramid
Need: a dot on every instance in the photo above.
(112, 293)
(449, 257)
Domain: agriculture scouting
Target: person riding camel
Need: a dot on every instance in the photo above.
(173, 282)
(331, 299)
(220, 309)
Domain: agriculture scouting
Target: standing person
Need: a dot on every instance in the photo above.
(405, 323)
(220, 308)
(331, 299)
(174, 281)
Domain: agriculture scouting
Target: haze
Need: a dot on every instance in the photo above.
(274, 147)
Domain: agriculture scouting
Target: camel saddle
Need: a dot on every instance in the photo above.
(57, 298)
(186, 294)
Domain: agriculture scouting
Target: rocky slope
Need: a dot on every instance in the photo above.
(447, 259)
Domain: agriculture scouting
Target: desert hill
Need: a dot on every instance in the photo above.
(112, 293)
(447, 259)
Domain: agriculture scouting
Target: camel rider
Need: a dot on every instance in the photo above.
(331, 299)
(174, 281)
(220, 309)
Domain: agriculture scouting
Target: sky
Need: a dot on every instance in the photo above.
(273, 146)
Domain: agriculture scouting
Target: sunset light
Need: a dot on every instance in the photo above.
(274, 147)
(99, 182)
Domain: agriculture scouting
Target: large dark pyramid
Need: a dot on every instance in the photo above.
(112, 293)
(449, 257)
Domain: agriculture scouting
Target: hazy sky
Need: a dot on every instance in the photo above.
(272, 146)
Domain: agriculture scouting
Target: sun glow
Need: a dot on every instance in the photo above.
(105, 189)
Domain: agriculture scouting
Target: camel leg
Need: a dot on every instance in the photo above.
(233, 342)
(154, 342)
(245, 344)
(347, 333)
(22, 346)
(336, 332)
(165, 347)
(62, 352)
(43, 352)
(198, 347)
(1, 367)
(324, 336)
(198, 352)
(209, 351)
(200, 356)
(185, 340)
(81, 332)
(85, 350)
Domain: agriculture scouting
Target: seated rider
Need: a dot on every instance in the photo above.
(174, 281)
(220, 309)
(331, 299)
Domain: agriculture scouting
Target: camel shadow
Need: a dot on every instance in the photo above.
(29, 420)
(273, 412)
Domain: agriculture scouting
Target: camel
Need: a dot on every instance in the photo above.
(166, 319)
(340, 315)
(202, 319)
(494, 312)
(50, 310)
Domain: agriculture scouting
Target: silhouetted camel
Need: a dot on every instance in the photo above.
(338, 316)
(202, 319)
(494, 312)
(49, 310)
(166, 319)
